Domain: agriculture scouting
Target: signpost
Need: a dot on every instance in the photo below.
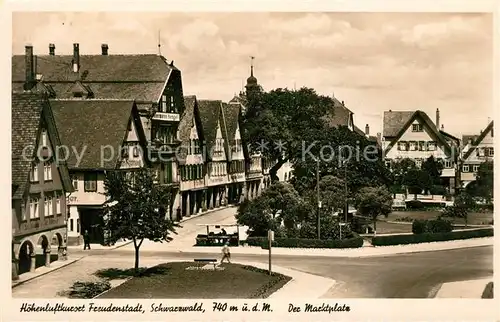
(270, 239)
(341, 224)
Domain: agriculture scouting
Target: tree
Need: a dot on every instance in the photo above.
(400, 168)
(417, 180)
(331, 193)
(484, 181)
(278, 205)
(463, 203)
(283, 117)
(134, 208)
(372, 202)
(434, 169)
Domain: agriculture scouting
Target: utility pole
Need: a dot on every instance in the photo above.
(346, 205)
(317, 193)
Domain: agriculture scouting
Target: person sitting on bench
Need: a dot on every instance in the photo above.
(223, 232)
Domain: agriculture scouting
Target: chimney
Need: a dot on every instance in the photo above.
(30, 68)
(76, 58)
(437, 118)
(52, 49)
(104, 49)
(367, 130)
(442, 127)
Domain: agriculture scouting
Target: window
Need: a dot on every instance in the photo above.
(475, 168)
(90, 182)
(167, 172)
(49, 210)
(163, 104)
(166, 134)
(480, 152)
(58, 204)
(418, 163)
(413, 146)
(44, 138)
(431, 146)
(47, 171)
(34, 173)
(71, 221)
(465, 168)
(447, 164)
(34, 208)
(490, 152)
(417, 128)
(402, 146)
(172, 108)
(75, 183)
(125, 152)
(136, 151)
(421, 145)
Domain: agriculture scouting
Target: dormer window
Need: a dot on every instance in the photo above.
(417, 128)
(44, 138)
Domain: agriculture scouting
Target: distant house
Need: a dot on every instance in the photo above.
(413, 135)
(234, 148)
(213, 126)
(476, 150)
(98, 135)
(40, 181)
(191, 159)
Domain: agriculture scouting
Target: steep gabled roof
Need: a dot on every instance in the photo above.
(339, 115)
(87, 126)
(96, 68)
(190, 117)
(232, 118)
(134, 77)
(430, 125)
(478, 140)
(394, 121)
(28, 110)
(210, 115)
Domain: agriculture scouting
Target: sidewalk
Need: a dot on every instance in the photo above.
(99, 246)
(40, 271)
(472, 289)
(365, 251)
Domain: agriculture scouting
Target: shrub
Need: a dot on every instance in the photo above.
(360, 224)
(88, 290)
(437, 190)
(415, 204)
(419, 226)
(430, 237)
(353, 242)
(439, 226)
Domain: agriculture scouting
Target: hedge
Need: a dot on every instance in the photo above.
(422, 226)
(354, 242)
(430, 237)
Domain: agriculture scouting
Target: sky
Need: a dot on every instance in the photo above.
(372, 61)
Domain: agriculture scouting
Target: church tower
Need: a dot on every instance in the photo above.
(252, 85)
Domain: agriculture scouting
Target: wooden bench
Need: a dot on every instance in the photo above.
(207, 261)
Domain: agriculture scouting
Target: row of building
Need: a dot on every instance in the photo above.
(74, 117)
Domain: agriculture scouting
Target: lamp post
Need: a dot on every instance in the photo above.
(340, 225)
(319, 202)
(346, 205)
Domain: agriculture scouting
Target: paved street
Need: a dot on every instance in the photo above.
(397, 276)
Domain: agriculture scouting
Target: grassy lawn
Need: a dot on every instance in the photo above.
(474, 218)
(172, 280)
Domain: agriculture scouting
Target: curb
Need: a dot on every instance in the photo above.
(45, 273)
(106, 291)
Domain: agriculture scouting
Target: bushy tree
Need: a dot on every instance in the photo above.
(400, 167)
(134, 209)
(330, 228)
(372, 202)
(462, 205)
(434, 168)
(484, 181)
(417, 181)
(278, 204)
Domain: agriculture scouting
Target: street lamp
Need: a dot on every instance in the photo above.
(319, 202)
(346, 204)
(340, 225)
